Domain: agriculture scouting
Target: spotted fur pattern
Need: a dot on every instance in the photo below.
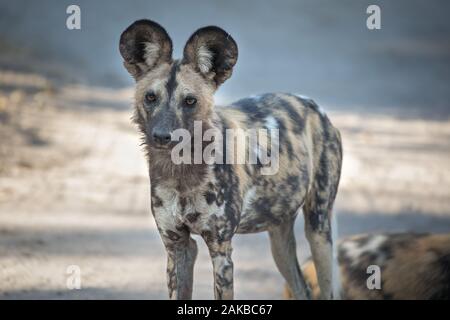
(217, 201)
(413, 267)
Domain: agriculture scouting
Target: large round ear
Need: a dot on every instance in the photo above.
(212, 52)
(143, 46)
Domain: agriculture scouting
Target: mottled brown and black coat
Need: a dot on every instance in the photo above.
(218, 200)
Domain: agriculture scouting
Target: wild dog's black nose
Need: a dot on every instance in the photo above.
(160, 137)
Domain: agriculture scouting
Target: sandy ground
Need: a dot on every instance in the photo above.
(74, 191)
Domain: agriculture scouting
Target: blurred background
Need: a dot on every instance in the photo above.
(73, 182)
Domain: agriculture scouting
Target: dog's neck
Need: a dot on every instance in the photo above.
(182, 177)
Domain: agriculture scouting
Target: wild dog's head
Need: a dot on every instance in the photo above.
(172, 94)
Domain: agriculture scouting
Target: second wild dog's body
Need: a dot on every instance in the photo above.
(217, 201)
(413, 267)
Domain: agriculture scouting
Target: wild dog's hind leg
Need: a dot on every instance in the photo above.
(318, 232)
(282, 242)
(319, 229)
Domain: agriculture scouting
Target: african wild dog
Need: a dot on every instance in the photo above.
(413, 267)
(218, 200)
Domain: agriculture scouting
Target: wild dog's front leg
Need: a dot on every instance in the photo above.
(181, 257)
(223, 268)
(181, 248)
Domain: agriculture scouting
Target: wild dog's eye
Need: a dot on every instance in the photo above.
(150, 98)
(190, 101)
